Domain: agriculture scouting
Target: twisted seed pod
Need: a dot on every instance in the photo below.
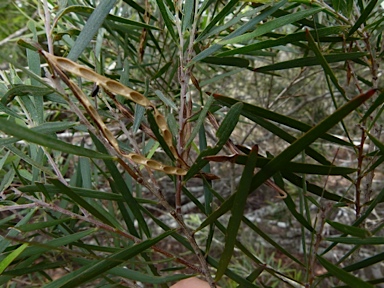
(166, 133)
(60, 63)
(109, 84)
(155, 165)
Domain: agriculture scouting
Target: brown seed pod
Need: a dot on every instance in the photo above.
(60, 63)
(155, 165)
(109, 84)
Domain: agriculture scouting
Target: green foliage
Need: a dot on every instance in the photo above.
(124, 162)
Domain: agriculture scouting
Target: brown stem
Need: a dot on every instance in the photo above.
(360, 174)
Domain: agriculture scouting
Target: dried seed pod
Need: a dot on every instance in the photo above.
(106, 83)
(60, 63)
(155, 165)
(166, 133)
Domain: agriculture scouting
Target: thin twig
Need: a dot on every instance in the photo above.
(106, 227)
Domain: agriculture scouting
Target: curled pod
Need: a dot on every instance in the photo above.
(118, 88)
(155, 165)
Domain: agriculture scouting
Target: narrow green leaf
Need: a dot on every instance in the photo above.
(223, 133)
(227, 61)
(112, 261)
(83, 10)
(90, 29)
(357, 241)
(327, 69)
(21, 90)
(9, 112)
(5, 241)
(229, 123)
(121, 186)
(139, 116)
(365, 263)
(344, 276)
(367, 212)
(42, 225)
(40, 248)
(29, 135)
(310, 61)
(162, 71)
(303, 168)
(41, 267)
(267, 238)
(299, 217)
(283, 40)
(136, 275)
(80, 201)
(12, 256)
(252, 112)
(88, 193)
(271, 25)
(188, 13)
(379, 100)
(314, 189)
(167, 20)
(200, 120)
(295, 148)
(348, 229)
(377, 142)
(220, 16)
(364, 16)
(237, 213)
(246, 27)
(309, 137)
(166, 100)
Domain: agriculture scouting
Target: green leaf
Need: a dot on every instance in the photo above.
(112, 261)
(200, 121)
(12, 256)
(342, 275)
(357, 241)
(166, 100)
(83, 10)
(219, 17)
(21, 90)
(365, 263)
(283, 40)
(379, 100)
(348, 229)
(237, 213)
(296, 167)
(136, 275)
(120, 186)
(271, 25)
(90, 29)
(29, 135)
(89, 193)
(327, 69)
(55, 243)
(249, 25)
(310, 61)
(41, 268)
(227, 61)
(364, 16)
(254, 112)
(188, 13)
(165, 13)
(223, 133)
(277, 163)
(42, 225)
(80, 201)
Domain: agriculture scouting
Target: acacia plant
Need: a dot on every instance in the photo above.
(140, 133)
